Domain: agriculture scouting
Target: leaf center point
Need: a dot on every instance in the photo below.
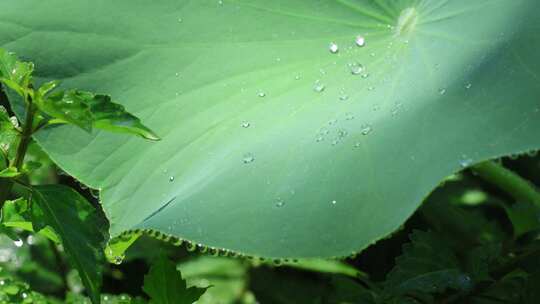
(406, 22)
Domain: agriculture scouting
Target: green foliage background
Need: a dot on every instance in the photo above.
(284, 140)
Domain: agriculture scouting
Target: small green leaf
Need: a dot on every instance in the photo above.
(426, 265)
(19, 214)
(8, 134)
(227, 276)
(525, 217)
(113, 117)
(87, 110)
(70, 107)
(31, 166)
(46, 88)
(80, 229)
(13, 73)
(164, 285)
(115, 251)
(9, 172)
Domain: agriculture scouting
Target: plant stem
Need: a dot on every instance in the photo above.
(513, 184)
(26, 137)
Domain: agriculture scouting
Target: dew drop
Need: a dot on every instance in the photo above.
(177, 74)
(349, 116)
(342, 133)
(245, 124)
(118, 259)
(343, 96)
(297, 77)
(280, 203)
(365, 75)
(319, 87)
(333, 48)
(371, 88)
(261, 94)
(357, 145)
(468, 86)
(465, 161)
(248, 158)
(319, 138)
(24, 295)
(220, 2)
(18, 243)
(191, 247)
(2, 282)
(356, 68)
(14, 121)
(366, 129)
(180, 20)
(360, 41)
(442, 91)
(171, 178)
(334, 202)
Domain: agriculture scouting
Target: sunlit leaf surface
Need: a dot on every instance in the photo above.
(290, 128)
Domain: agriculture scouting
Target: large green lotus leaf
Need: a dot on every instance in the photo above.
(259, 157)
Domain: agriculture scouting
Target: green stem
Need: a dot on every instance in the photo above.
(513, 184)
(26, 137)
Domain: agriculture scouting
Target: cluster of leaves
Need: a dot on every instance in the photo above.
(55, 211)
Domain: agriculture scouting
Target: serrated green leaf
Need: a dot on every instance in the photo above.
(8, 136)
(87, 110)
(447, 84)
(427, 265)
(19, 214)
(80, 229)
(15, 74)
(481, 259)
(164, 285)
(46, 88)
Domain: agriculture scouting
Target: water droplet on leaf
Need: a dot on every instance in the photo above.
(356, 68)
(360, 41)
(343, 96)
(248, 158)
(465, 161)
(18, 243)
(366, 129)
(333, 48)
(318, 86)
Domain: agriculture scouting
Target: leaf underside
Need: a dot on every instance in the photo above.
(257, 156)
